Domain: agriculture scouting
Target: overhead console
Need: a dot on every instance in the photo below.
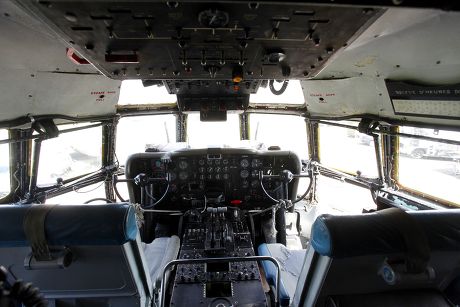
(228, 177)
(187, 41)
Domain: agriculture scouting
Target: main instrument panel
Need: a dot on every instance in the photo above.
(225, 176)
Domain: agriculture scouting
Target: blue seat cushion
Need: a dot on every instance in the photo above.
(113, 224)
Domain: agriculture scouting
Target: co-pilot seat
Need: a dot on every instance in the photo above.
(386, 258)
(81, 255)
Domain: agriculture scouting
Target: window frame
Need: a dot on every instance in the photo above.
(10, 193)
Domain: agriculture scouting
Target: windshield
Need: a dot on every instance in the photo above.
(288, 132)
(213, 134)
(138, 133)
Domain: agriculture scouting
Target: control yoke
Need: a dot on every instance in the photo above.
(286, 176)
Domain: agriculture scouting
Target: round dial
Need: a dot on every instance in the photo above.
(201, 169)
(218, 169)
(245, 184)
(183, 164)
(226, 176)
(225, 161)
(217, 162)
(201, 162)
(183, 175)
(255, 173)
(210, 169)
(254, 183)
(244, 173)
(244, 163)
(172, 176)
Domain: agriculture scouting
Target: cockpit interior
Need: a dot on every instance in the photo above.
(229, 153)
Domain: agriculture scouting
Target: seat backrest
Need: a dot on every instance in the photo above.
(371, 254)
(96, 258)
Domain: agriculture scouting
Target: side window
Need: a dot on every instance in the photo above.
(430, 167)
(347, 150)
(137, 133)
(5, 184)
(70, 155)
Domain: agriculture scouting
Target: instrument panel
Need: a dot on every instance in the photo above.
(223, 176)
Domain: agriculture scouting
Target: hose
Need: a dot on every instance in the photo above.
(281, 90)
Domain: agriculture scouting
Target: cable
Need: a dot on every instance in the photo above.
(152, 198)
(115, 189)
(205, 204)
(99, 198)
(310, 184)
(281, 90)
(266, 193)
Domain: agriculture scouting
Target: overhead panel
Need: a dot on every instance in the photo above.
(203, 40)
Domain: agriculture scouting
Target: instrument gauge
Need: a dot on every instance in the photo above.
(201, 162)
(218, 169)
(255, 183)
(210, 169)
(244, 163)
(245, 184)
(244, 173)
(183, 164)
(172, 176)
(226, 176)
(255, 173)
(255, 163)
(225, 161)
(183, 175)
(201, 169)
